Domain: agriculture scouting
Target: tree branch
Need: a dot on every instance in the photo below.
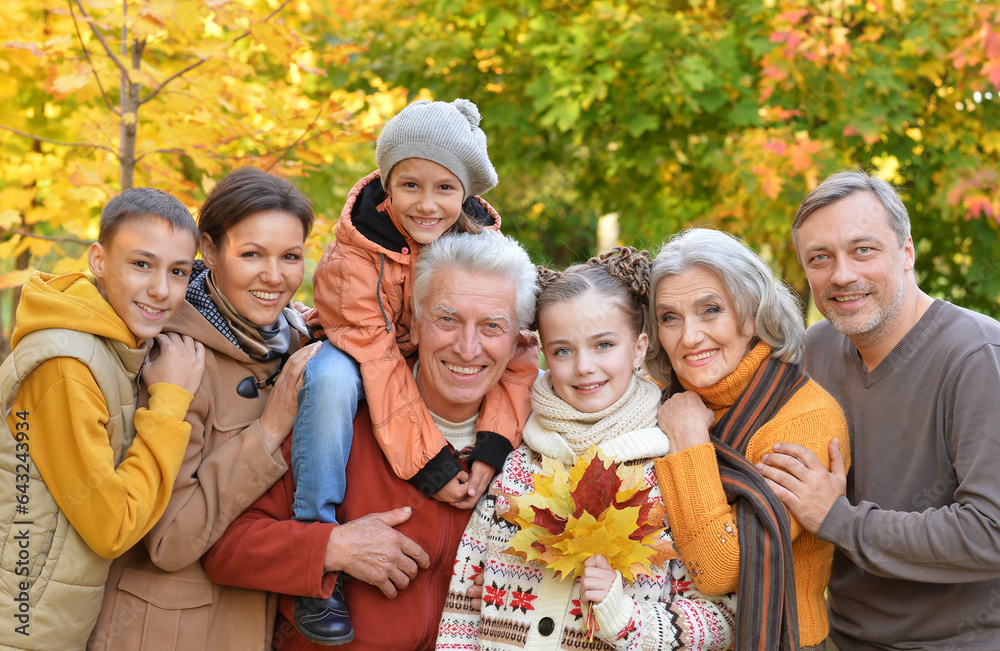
(170, 79)
(201, 61)
(297, 140)
(178, 152)
(47, 238)
(57, 142)
(86, 53)
(267, 18)
(97, 33)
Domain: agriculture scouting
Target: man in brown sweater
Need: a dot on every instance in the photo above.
(917, 521)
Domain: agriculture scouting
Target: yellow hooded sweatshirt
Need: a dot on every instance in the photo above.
(72, 453)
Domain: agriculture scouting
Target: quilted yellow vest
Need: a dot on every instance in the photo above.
(51, 582)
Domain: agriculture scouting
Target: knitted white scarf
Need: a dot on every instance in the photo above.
(626, 430)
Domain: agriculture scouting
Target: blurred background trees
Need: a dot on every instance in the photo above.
(659, 114)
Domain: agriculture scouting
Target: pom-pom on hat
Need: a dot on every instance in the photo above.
(443, 132)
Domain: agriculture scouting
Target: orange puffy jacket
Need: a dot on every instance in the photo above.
(362, 289)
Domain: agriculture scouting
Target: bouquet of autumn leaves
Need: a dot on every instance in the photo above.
(597, 507)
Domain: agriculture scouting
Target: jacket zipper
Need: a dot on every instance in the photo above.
(378, 291)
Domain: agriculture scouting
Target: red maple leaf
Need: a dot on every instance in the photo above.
(548, 520)
(648, 519)
(596, 489)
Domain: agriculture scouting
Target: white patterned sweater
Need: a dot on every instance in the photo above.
(526, 607)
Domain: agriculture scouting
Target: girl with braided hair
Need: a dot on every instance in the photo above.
(590, 319)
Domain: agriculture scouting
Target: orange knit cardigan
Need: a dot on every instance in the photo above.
(704, 523)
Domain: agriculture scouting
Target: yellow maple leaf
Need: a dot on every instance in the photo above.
(613, 519)
(550, 494)
(607, 535)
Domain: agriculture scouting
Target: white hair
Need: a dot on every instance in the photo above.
(488, 253)
(758, 297)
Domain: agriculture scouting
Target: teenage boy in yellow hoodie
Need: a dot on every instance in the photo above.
(83, 473)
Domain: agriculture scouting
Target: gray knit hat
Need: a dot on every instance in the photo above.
(446, 133)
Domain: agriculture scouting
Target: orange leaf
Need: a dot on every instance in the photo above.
(991, 70)
(14, 278)
(769, 181)
(589, 515)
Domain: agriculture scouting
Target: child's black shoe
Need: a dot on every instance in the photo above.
(324, 621)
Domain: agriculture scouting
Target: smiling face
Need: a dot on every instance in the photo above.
(143, 272)
(426, 198)
(698, 327)
(465, 334)
(591, 352)
(855, 266)
(259, 264)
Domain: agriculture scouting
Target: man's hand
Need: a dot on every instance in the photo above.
(479, 480)
(178, 360)
(596, 580)
(455, 490)
(801, 481)
(371, 550)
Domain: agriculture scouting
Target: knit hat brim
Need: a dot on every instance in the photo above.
(435, 153)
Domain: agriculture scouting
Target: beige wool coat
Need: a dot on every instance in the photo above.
(158, 595)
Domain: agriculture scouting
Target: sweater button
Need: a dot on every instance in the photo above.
(546, 626)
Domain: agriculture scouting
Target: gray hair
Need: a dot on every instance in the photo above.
(757, 296)
(488, 253)
(847, 182)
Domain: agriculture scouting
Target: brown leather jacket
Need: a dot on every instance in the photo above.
(158, 594)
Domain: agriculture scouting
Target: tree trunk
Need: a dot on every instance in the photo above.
(129, 104)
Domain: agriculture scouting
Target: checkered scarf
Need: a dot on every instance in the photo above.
(259, 343)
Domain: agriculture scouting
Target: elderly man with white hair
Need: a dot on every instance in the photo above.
(472, 296)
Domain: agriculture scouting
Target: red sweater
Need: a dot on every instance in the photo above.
(264, 549)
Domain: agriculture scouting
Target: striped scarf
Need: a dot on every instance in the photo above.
(766, 615)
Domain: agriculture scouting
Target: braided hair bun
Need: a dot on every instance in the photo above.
(629, 265)
(546, 276)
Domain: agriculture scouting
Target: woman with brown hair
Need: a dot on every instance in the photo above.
(158, 595)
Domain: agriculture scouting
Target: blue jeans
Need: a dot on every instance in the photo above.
(324, 429)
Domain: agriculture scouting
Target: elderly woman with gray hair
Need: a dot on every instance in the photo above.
(726, 338)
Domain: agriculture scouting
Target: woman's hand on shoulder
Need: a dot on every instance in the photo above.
(685, 420)
(283, 401)
(176, 359)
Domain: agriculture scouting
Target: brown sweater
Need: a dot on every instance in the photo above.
(704, 523)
